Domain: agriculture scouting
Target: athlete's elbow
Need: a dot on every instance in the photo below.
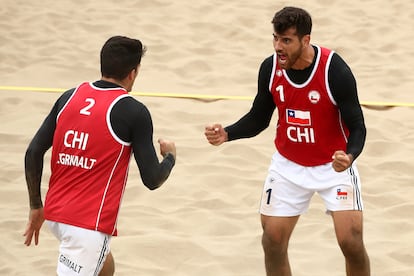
(152, 184)
(154, 180)
(33, 154)
(259, 129)
(153, 187)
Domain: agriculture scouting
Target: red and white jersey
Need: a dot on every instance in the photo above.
(309, 128)
(89, 162)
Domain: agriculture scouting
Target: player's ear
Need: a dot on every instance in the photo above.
(134, 73)
(306, 40)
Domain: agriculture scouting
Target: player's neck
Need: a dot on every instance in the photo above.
(305, 59)
(118, 82)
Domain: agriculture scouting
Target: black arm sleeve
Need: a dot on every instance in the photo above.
(36, 150)
(344, 90)
(132, 122)
(260, 114)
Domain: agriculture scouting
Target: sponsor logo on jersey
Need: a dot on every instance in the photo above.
(314, 96)
(279, 73)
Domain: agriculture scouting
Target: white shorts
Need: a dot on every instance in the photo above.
(289, 187)
(81, 251)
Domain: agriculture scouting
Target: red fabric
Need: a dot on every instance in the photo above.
(309, 128)
(89, 164)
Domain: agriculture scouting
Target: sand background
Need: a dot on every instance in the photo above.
(204, 220)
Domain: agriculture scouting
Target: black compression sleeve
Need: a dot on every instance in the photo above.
(260, 114)
(344, 90)
(36, 150)
(132, 123)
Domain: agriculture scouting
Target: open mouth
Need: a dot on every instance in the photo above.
(282, 59)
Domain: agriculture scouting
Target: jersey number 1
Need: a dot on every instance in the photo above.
(279, 89)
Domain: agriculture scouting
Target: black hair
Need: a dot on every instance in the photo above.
(292, 17)
(120, 55)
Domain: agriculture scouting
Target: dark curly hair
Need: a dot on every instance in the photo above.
(292, 17)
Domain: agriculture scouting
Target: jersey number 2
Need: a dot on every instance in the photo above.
(85, 110)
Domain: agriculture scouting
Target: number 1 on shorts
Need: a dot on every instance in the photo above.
(269, 193)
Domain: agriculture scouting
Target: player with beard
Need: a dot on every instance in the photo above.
(319, 134)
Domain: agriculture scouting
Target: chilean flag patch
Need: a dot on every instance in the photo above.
(297, 117)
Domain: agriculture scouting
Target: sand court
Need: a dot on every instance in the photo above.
(204, 220)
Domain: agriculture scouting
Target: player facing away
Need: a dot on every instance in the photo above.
(320, 132)
(93, 130)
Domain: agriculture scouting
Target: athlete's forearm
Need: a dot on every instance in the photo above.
(153, 173)
(356, 139)
(354, 120)
(33, 173)
(248, 126)
(155, 178)
(35, 152)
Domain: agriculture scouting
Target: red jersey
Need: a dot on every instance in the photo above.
(89, 162)
(309, 128)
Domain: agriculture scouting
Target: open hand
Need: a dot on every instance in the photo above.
(36, 219)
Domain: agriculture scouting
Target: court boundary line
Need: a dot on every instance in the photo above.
(210, 97)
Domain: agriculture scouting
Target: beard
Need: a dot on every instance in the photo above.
(287, 61)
